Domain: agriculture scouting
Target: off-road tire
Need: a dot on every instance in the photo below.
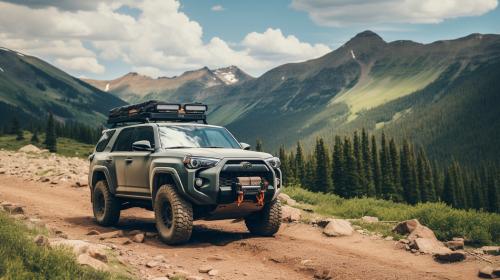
(105, 205)
(176, 226)
(267, 221)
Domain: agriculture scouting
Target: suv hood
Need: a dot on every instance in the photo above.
(220, 153)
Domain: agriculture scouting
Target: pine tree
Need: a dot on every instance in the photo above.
(448, 196)
(377, 175)
(16, 129)
(285, 166)
(258, 145)
(367, 164)
(50, 135)
(358, 157)
(387, 189)
(309, 173)
(34, 137)
(352, 185)
(408, 175)
(338, 172)
(459, 186)
(493, 194)
(323, 181)
(299, 164)
(395, 166)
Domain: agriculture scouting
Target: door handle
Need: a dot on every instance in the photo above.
(108, 160)
(128, 160)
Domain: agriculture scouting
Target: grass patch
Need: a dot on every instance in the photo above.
(478, 227)
(65, 146)
(20, 258)
(383, 228)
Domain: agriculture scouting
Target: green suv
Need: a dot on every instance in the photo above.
(159, 156)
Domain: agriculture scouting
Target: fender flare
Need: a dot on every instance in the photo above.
(104, 169)
(165, 170)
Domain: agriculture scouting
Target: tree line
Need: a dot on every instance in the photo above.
(363, 166)
(52, 130)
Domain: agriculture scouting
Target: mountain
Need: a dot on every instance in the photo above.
(134, 87)
(30, 88)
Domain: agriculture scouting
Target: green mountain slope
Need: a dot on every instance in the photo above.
(30, 88)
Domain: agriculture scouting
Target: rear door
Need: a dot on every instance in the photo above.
(138, 162)
(119, 153)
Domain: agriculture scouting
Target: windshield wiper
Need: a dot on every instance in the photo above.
(179, 147)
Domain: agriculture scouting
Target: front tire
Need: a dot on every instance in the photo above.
(105, 205)
(174, 216)
(267, 221)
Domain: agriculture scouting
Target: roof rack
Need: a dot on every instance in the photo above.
(157, 111)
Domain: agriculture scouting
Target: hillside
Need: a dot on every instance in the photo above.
(134, 87)
(30, 88)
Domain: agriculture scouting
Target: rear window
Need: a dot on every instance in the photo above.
(103, 142)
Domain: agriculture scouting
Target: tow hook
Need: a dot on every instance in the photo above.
(251, 186)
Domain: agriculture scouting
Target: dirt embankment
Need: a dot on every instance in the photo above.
(47, 188)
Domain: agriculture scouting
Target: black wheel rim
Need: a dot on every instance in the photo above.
(99, 203)
(166, 214)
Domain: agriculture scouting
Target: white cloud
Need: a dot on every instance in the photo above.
(344, 12)
(217, 8)
(159, 40)
(86, 64)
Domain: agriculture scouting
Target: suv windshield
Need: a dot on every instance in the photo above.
(194, 136)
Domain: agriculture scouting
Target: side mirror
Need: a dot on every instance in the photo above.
(142, 146)
(245, 146)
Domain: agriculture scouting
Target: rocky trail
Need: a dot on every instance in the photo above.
(52, 191)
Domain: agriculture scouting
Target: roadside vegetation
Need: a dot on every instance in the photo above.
(21, 258)
(477, 227)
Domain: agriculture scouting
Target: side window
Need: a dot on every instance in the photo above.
(145, 133)
(124, 141)
(103, 142)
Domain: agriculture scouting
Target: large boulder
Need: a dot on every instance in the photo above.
(290, 214)
(406, 227)
(491, 250)
(455, 256)
(87, 260)
(421, 232)
(455, 244)
(286, 199)
(369, 219)
(338, 227)
(30, 149)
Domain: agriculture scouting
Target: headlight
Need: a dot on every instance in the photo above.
(199, 162)
(274, 162)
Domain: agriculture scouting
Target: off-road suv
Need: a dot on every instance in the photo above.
(160, 157)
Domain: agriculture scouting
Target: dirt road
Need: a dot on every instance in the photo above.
(297, 252)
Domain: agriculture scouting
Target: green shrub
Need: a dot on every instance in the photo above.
(478, 227)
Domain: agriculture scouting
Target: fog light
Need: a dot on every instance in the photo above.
(198, 182)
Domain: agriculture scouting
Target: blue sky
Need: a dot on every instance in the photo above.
(106, 39)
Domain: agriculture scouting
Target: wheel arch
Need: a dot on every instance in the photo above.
(101, 173)
(164, 175)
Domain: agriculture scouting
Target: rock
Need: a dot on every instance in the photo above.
(41, 240)
(14, 209)
(323, 274)
(486, 272)
(455, 244)
(85, 259)
(204, 269)
(287, 199)
(406, 227)
(37, 222)
(496, 271)
(151, 234)
(93, 232)
(44, 179)
(213, 272)
(138, 238)
(30, 149)
(152, 264)
(3, 171)
(338, 227)
(491, 250)
(455, 256)
(323, 222)
(111, 234)
(97, 254)
(160, 258)
(369, 219)
(290, 214)
(389, 238)
(135, 232)
(429, 246)
(421, 232)
(78, 246)
(404, 241)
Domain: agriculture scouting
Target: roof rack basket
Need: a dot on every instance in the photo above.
(157, 111)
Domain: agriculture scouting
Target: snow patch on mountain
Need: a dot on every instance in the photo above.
(107, 87)
(227, 75)
(353, 55)
(1, 69)
(20, 54)
(4, 49)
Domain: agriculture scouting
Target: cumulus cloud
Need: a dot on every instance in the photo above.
(159, 40)
(344, 12)
(217, 8)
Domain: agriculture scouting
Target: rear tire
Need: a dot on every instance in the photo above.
(105, 205)
(174, 216)
(266, 222)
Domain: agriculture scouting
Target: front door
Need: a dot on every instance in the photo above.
(138, 162)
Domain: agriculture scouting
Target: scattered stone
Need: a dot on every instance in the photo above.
(369, 219)
(404, 241)
(306, 262)
(323, 222)
(161, 278)
(93, 232)
(455, 244)
(429, 246)
(37, 222)
(135, 232)
(138, 238)
(111, 234)
(455, 256)
(287, 199)
(98, 254)
(41, 240)
(406, 227)
(194, 277)
(3, 171)
(13, 209)
(491, 250)
(204, 269)
(151, 234)
(486, 272)
(338, 227)
(213, 272)
(30, 149)
(496, 271)
(290, 214)
(160, 258)
(389, 238)
(152, 264)
(85, 259)
(78, 246)
(323, 274)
